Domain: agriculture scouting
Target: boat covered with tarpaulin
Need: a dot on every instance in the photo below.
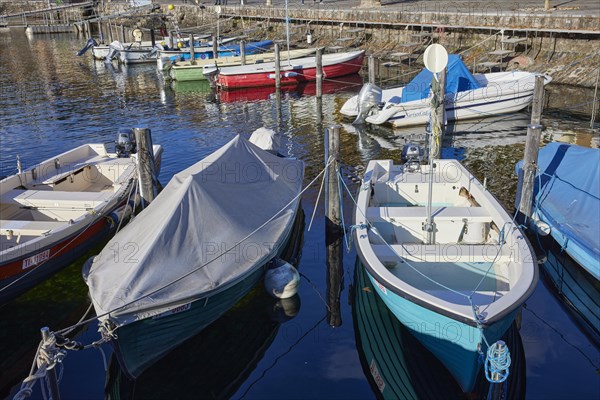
(200, 246)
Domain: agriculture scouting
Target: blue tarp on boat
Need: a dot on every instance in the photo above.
(458, 79)
(567, 197)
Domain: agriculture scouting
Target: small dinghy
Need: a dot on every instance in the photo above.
(197, 249)
(53, 212)
(444, 257)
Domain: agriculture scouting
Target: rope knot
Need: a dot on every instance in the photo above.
(497, 362)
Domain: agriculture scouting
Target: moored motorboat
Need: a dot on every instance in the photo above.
(292, 72)
(446, 259)
(56, 210)
(467, 96)
(201, 245)
(194, 71)
(205, 51)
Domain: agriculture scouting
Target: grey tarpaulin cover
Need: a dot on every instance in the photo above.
(163, 257)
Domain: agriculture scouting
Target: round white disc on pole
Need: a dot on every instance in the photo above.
(435, 58)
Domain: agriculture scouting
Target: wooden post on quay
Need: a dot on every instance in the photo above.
(123, 35)
(277, 67)
(243, 52)
(532, 146)
(215, 43)
(152, 37)
(319, 75)
(50, 372)
(88, 29)
(100, 32)
(371, 70)
(145, 160)
(438, 110)
(171, 41)
(192, 53)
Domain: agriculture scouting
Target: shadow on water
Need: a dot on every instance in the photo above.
(399, 367)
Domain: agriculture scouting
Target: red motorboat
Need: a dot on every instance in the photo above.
(292, 71)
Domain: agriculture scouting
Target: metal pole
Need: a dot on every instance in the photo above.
(215, 40)
(145, 159)
(192, 54)
(50, 372)
(371, 70)
(277, 67)
(319, 59)
(243, 52)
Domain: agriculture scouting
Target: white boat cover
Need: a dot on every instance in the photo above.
(186, 244)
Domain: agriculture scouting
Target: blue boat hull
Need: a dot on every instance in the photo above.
(453, 342)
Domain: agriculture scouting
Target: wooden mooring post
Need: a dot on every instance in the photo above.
(50, 372)
(319, 74)
(438, 109)
(277, 67)
(192, 53)
(123, 35)
(215, 43)
(333, 230)
(145, 158)
(371, 68)
(532, 146)
(243, 52)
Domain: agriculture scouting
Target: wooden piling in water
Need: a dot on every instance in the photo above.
(332, 194)
(192, 54)
(532, 146)
(438, 125)
(319, 74)
(145, 159)
(243, 52)
(215, 43)
(51, 378)
(277, 67)
(371, 68)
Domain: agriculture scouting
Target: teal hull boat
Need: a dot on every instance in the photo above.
(452, 267)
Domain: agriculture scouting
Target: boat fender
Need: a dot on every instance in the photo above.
(203, 56)
(282, 280)
(542, 228)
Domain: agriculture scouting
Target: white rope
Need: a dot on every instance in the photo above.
(319, 196)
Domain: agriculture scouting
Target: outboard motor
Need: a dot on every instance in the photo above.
(125, 144)
(113, 49)
(90, 43)
(153, 52)
(411, 156)
(369, 97)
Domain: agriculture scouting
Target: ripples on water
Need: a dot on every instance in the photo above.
(52, 101)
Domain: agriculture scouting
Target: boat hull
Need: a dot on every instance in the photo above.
(16, 279)
(290, 76)
(453, 342)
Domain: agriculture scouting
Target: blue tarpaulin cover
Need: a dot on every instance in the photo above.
(458, 79)
(567, 197)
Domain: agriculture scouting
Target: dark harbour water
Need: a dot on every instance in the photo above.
(52, 101)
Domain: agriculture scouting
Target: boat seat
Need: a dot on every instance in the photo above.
(28, 228)
(406, 214)
(440, 252)
(56, 199)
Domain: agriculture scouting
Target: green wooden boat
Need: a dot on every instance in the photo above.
(186, 71)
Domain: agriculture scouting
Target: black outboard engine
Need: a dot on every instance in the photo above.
(125, 144)
(90, 43)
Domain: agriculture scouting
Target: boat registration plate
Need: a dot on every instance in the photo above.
(36, 259)
(376, 376)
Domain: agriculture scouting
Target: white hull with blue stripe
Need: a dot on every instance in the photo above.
(459, 292)
(486, 95)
